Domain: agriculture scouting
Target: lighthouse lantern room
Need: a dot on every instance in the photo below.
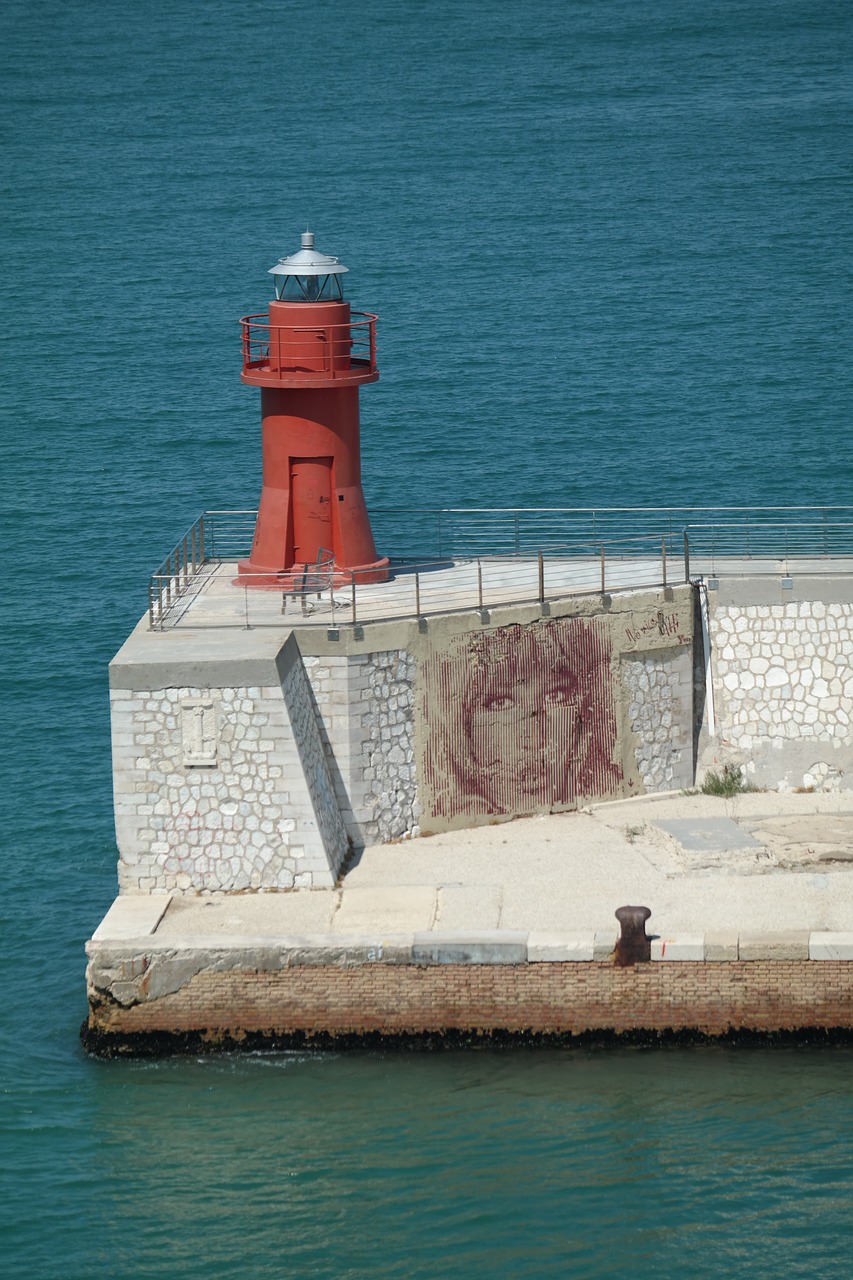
(309, 354)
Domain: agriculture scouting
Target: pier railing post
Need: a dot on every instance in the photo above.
(663, 558)
(686, 557)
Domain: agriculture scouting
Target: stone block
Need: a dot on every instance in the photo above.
(321, 877)
(328, 948)
(132, 916)
(793, 945)
(487, 947)
(708, 834)
(391, 908)
(560, 947)
(721, 944)
(679, 946)
(831, 946)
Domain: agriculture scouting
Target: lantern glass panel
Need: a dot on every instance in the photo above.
(309, 288)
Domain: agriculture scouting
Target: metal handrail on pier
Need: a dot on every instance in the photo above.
(579, 550)
(745, 532)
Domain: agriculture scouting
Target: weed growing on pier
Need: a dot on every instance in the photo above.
(729, 782)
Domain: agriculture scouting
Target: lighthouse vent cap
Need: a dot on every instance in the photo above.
(308, 261)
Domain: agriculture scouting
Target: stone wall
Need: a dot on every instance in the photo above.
(389, 773)
(783, 684)
(659, 692)
(265, 786)
(223, 789)
(243, 765)
(256, 767)
(365, 708)
(303, 732)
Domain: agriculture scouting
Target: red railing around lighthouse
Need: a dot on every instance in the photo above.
(337, 352)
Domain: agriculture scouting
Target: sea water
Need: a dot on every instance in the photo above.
(610, 247)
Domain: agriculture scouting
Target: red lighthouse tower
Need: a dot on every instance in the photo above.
(309, 356)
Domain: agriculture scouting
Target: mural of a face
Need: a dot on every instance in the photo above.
(520, 719)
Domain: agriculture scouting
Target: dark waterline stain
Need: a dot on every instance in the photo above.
(165, 1044)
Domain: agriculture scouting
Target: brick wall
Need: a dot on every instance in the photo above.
(712, 998)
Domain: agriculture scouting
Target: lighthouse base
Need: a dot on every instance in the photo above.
(301, 578)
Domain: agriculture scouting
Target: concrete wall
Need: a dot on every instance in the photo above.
(783, 682)
(544, 714)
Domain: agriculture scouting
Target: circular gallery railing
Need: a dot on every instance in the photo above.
(306, 354)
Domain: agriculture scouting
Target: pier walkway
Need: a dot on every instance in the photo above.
(764, 865)
(213, 597)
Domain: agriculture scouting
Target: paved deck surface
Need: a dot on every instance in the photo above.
(759, 862)
(213, 600)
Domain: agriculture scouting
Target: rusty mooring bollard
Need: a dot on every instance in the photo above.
(634, 946)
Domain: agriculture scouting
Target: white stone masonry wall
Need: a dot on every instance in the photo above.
(783, 678)
(263, 788)
(305, 735)
(659, 689)
(387, 722)
(244, 820)
(366, 709)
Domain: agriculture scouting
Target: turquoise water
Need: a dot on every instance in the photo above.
(610, 246)
(706, 1163)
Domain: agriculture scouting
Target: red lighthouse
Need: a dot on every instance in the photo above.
(309, 356)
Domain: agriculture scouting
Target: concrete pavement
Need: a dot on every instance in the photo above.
(759, 863)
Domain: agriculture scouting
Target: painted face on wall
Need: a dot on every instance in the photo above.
(521, 719)
(521, 713)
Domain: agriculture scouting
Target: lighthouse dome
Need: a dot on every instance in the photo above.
(308, 275)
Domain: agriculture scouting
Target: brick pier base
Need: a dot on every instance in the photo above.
(523, 1000)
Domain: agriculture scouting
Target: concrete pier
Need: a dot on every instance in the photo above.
(313, 790)
(509, 929)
